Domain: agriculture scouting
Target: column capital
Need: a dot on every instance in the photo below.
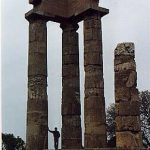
(32, 16)
(69, 26)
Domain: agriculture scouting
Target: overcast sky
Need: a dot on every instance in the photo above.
(128, 21)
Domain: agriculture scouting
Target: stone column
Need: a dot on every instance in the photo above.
(37, 104)
(128, 133)
(94, 104)
(71, 109)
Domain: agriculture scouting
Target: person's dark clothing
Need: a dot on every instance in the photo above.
(56, 135)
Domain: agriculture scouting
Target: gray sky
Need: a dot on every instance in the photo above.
(128, 21)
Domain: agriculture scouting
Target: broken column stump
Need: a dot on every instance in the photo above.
(128, 131)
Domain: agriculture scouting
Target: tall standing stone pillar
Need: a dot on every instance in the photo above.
(37, 105)
(71, 109)
(94, 104)
(128, 133)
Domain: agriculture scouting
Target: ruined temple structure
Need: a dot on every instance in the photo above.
(67, 13)
(128, 131)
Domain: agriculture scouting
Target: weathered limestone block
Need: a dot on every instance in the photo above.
(128, 133)
(122, 94)
(131, 79)
(94, 103)
(98, 128)
(128, 139)
(94, 115)
(37, 48)
(128, 123)
(93, 92)
(93, 23)
(71, 82)
(37, 31)
(70, 70)
(92, 81)
(92, 58)
(127, 108)
(37, 104)
(69, 132)
(121, 78)
(37, 142)
(37, 87)
(37, 118)
(71, 59)
(125, 66)
(96, 140)
(71, 107)
(134, 94)
(93, 69)
(121, 59)
(71, 143)
(89, 46)
(126, 49)
(67, 51)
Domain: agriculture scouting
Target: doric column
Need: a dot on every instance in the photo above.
(128, 133)
(71, 109)
(37, 104)
(94, 103)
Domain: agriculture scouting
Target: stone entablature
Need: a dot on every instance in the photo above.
(62, 10)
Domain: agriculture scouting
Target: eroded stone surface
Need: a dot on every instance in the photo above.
(71, 109)
(94, 103)
(128, 123)
(125, 108)
(126, 96)
(37, 105)
(68, 13)
(128, 139)
(125, 49)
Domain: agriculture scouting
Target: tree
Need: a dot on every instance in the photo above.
(10, 142)
(110, 122)
(144, 116)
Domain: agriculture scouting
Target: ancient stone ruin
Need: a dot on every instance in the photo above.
(68, 13)
(128, 130)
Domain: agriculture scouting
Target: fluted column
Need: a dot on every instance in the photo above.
(37, 104)
(128, 131)
(71, 109)
(94, 103)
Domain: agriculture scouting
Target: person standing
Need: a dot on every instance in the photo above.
(56, 136)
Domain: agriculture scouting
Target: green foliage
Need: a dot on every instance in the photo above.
(145, 117)
(110, 121)
(10, 142)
